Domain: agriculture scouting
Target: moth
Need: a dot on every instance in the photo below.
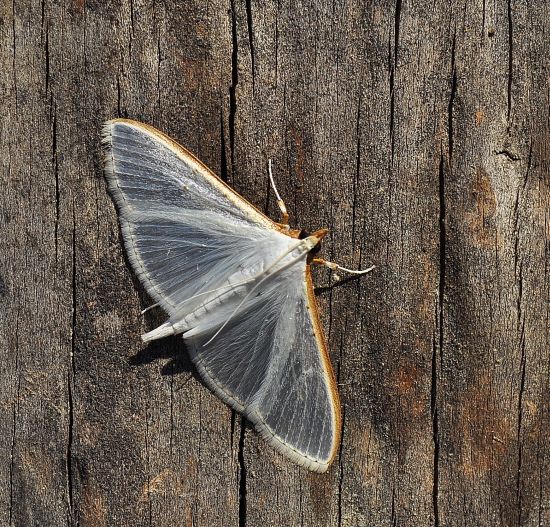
(236, 284)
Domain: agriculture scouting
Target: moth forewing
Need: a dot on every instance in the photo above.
(164, 142)
(234, 282)
(325, 360)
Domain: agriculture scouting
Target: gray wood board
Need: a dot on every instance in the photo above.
(418, 132)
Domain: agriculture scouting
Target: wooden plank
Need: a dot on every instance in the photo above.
(319, 98)
(35, 272)
(492, 410)
(417, 132)
(143, 423)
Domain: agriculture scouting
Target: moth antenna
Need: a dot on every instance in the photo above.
(280, 201)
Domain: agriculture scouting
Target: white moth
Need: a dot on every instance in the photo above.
(236, 284)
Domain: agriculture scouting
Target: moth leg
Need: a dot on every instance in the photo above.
(280, 202)
(335, 267)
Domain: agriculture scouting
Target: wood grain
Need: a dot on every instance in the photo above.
(417, 132)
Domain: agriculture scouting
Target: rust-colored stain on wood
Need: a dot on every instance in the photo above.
(487, 435)
(94, 508)
(481, 219)
(480, 117)
(407, 382)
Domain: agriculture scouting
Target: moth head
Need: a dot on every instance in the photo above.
(314, 238)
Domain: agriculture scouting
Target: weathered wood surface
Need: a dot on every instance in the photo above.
(418, 131)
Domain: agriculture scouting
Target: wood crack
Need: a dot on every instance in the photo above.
(14, 418)
(510, 63)
(242, 477)
(14, 67)
(47, 57)
(159, 60)
(55, 164)
(438, 342)
(435, 431)
(357, 170)
(452, 96)
(518, 269)
(223, 153)
(233, 87)
(393, 513)
(393, 68)
(70, 379)
(341, 471)
(250, 41)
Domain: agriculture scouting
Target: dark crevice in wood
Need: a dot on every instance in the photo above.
(435, 433)
(233, 420)
(233, 87)
(159, 60)
(452, 96)
(435, 494)
(55, 164)
(339, 363)
(511, 156)
(529, 164)
(14, 418)
(341, 468)
(70, 440)
(242, 477)
(85, 40)
(250, 40)
(147, 458)
(276, 52)
(119, 97)
(520, 414)
(300, 503)
(540, 495)
(42, 13)
(74, 303)
(131, 22)
(516, 252)
(121, 112)
(438, 342)
(393, 68)
(199, 445)
(518, 269)
(510, 63)
(397, 23)
(267, 193)
(223, 153)
(442, 253)
(483, 20)
(47, 57)
(71, 377)
(172, 421)
(97, 220)
(392, 111)
(15, 84)
(393, 513)
(357, 170)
